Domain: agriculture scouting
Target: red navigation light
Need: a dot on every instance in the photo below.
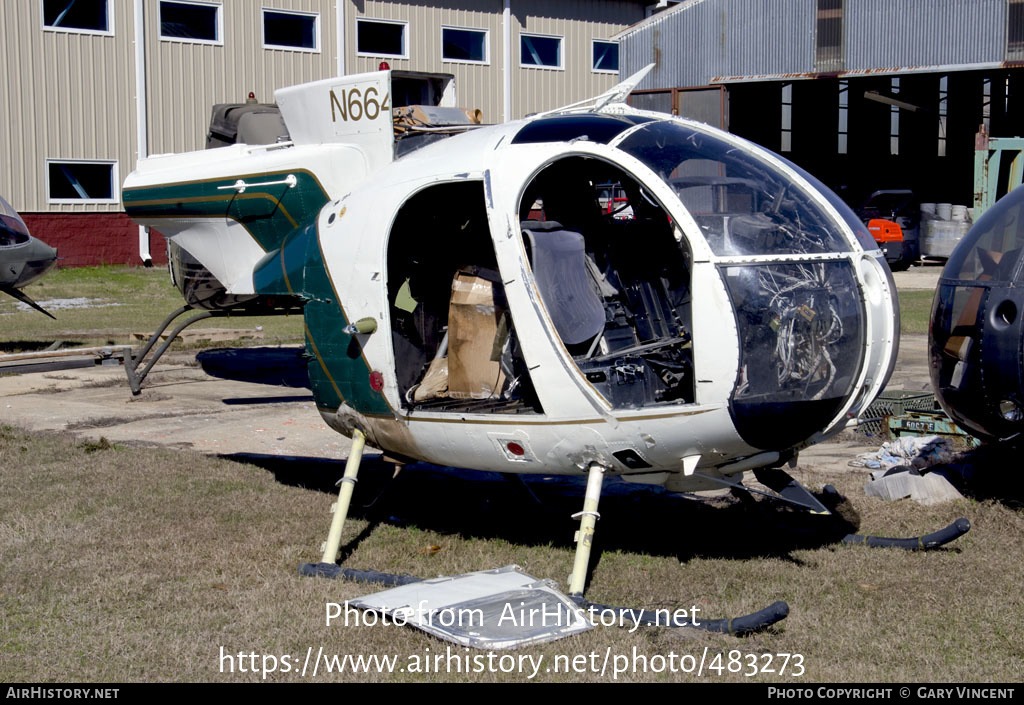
(376, 381)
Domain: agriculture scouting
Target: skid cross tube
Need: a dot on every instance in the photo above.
(328, 567)
(585, 536)
(348, 484)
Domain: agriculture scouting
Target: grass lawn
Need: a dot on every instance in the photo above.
(915, 310)
(140, 564)
(120, 301)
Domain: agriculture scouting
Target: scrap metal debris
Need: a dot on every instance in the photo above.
(896, 470)
(928, 489)
(917, 452)
(491, 609)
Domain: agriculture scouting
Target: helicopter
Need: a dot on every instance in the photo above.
(595, 290)
(975, 332)
(23, 258)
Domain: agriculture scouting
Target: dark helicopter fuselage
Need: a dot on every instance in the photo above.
(975, 340)
(23, 258)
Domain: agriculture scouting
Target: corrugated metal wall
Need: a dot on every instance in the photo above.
(65, 96)
(881, 33)
(704, 40)
(709, 38)
(186, 79)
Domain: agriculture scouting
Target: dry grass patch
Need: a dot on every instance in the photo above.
(128, 564)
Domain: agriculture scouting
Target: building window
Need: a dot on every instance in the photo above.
(605, 56)
(190, 21)
(659, 101)
(89, 16)
(464, 45)
(786, 119)
(291, 30)
(81, 181)
(538, 50)
(943, 111)
(1015, 30)
(381, 38)
(843, 133)
(828, 39)
(894, 119)
(986, 104)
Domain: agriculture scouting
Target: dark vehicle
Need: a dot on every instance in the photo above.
(893, 218)
(23, 258)
(976, 334)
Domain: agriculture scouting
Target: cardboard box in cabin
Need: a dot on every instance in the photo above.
(474, 314)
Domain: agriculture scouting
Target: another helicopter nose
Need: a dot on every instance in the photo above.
(37, 258)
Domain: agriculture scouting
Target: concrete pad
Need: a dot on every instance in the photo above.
(920, 277)
(180, 406)
(911, 371)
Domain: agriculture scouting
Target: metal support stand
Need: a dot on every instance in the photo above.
(132, 362)
(585, 536)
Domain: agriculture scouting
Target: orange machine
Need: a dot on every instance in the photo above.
(885, 231)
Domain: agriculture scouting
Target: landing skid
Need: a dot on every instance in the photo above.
(916, 543)
(796, 494)
(328, 568)
(133, 361)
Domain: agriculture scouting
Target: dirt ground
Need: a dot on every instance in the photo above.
(180, 407)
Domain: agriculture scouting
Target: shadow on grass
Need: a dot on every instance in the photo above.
(989, 472)
(536, 510)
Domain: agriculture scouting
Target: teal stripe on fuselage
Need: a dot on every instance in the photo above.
(268, 213)
(338, 371)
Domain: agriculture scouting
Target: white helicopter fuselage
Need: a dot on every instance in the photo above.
(732, 358)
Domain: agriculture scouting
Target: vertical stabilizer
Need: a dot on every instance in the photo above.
(355, 110)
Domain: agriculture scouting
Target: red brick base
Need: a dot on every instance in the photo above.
(85, 239)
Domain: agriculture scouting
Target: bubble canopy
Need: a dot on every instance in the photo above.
(991, 250)
(976, 340)
(13, 230)
(744, 204)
